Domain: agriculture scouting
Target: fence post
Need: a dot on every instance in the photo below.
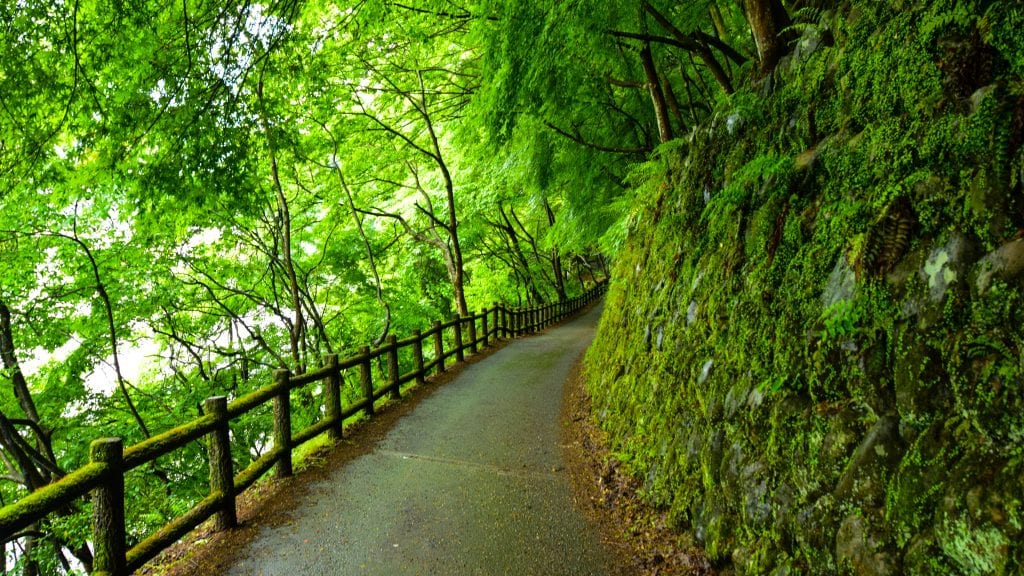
(108, 532)
(472, 333)
(417, 356)
(497, 321)
(222, 475)
(393, 374)
(483, 325)
(438, 345)
(366, 378)
(283, 423)
(460, 354)
(332, 398)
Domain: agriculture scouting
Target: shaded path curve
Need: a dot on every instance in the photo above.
(472, 482)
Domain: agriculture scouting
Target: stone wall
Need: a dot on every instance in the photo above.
(813, 346)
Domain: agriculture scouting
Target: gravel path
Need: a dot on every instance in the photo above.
(472, 482)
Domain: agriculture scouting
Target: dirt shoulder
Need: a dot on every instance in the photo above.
(610, 498)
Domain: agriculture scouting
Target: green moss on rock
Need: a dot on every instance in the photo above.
(812, 350)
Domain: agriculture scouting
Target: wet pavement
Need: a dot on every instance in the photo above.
(472, 482)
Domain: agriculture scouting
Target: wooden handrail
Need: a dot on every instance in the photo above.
(104, 476)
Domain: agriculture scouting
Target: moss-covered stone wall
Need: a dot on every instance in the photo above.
(813, 346)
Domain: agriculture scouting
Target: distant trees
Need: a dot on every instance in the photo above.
(611, 81)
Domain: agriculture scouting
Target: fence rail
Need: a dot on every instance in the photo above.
(104, 476)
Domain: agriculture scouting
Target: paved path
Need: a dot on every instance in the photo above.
(472, 482)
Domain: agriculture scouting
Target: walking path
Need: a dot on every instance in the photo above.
(472, 482)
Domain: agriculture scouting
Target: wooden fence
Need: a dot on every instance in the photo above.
(110, 461)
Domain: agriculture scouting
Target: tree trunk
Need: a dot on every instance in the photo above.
(457, 270)
(699, 46)
(108, 309)
(299, 322)
(719, 22)
(657, 95)
(556, 259)
(370, 257)
(767, 19)
(13, 367)
(520, 256)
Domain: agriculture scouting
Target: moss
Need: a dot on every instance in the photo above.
(775, 303)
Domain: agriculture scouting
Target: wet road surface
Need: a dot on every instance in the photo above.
(472, 482)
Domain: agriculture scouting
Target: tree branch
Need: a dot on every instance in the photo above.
(612, 149)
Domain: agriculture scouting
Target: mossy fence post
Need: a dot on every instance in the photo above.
(472, 333)
(108, 531)
(366, 378)
(332, 398)
(497, 321)
(283, 423)
(438, 345)
(393, 374)
(417, 356)
(460, 354)
(483, 326)
(222, 476)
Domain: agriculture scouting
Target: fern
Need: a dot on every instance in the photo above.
(806, 18)
(1001, 28)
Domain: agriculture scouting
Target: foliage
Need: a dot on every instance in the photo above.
(193, 196)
